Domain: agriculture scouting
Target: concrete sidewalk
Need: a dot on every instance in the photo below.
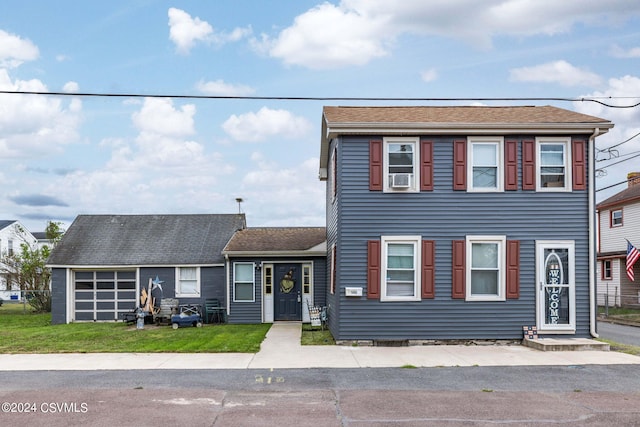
(281, 350)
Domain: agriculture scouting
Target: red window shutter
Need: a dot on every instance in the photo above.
(373, 269)
(460, 164)
(426, 165)
(375, 165)
(513, 269)
(428, 268)
(528, 165)
(579, 159)
(511, 165)
(459, 273)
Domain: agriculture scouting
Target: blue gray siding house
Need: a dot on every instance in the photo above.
(459, 222)
(104, 262)
(276, 273)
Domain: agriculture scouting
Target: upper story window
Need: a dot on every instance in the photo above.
(485, 164)
(401, 170)
(188, 282)
(401, 255)
(486, 260)
(616, 218)
(553, 165)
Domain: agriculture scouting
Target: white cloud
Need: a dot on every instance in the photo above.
(219, 87)
(429, 75)
(71, 87)
(560, 72)
(358, 31)
(283, 194)
(253, 127)
(619, 52)
(159, 117)
(15, 50)
(329, 36)
(160, 170)
(35, 125)
(626, 121)
(184, 31)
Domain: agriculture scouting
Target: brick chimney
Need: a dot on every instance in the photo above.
(633, 178)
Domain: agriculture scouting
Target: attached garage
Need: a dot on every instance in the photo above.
(103, 294)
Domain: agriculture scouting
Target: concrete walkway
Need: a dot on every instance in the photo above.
(281, 350)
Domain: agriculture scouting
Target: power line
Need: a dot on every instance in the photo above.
(319, 98)
(619, 144)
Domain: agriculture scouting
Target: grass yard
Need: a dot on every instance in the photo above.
(316, 336)
(33, 333)
(630, 314)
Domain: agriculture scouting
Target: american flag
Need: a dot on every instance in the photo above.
(632, 256)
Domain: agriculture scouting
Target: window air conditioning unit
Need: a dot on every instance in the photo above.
(400, 180)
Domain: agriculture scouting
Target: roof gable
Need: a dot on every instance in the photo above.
(111, 240)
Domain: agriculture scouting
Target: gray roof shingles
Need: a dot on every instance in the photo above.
(118, 240)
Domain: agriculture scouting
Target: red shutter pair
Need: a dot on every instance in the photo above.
(376, 168)
(458, 285)
(460, 165)
(579, 165)
(374, 270)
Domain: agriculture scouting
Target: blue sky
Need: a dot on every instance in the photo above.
(61, 156)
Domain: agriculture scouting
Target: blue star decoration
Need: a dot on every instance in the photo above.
(157, 283)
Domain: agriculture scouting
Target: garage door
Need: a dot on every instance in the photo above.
(103, 295)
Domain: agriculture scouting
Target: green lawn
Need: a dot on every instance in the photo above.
(631, 314)
(33, 333)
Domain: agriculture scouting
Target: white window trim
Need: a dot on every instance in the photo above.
(178, 290)
(540, 247)
(497, 140)
(502, 270)
(253, 293)
(568, 163)
(416, 164)
(415, 240)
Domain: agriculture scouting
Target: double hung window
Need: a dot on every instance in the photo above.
(485, 164)
(401, 157)
(243, 282)
(553, 164)
(616, 218)
(486, 260)
(400, 266)
(188, 282)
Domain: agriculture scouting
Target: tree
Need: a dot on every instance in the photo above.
(27, 269)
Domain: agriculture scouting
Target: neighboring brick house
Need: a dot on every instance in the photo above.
(459, 222)
(619, 221)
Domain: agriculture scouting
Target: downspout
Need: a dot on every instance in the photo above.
(592, 233)
(227, 274)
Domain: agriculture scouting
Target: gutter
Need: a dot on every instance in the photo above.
(592, 234)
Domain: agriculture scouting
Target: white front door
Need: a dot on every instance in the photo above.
(555, 262)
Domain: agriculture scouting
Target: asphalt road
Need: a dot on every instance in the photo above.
(590, 395)
(619, 333)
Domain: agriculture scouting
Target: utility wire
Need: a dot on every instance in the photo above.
(313, 98)
(619, 144)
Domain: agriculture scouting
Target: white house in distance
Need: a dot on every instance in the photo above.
(619, 221)
(12, 235)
